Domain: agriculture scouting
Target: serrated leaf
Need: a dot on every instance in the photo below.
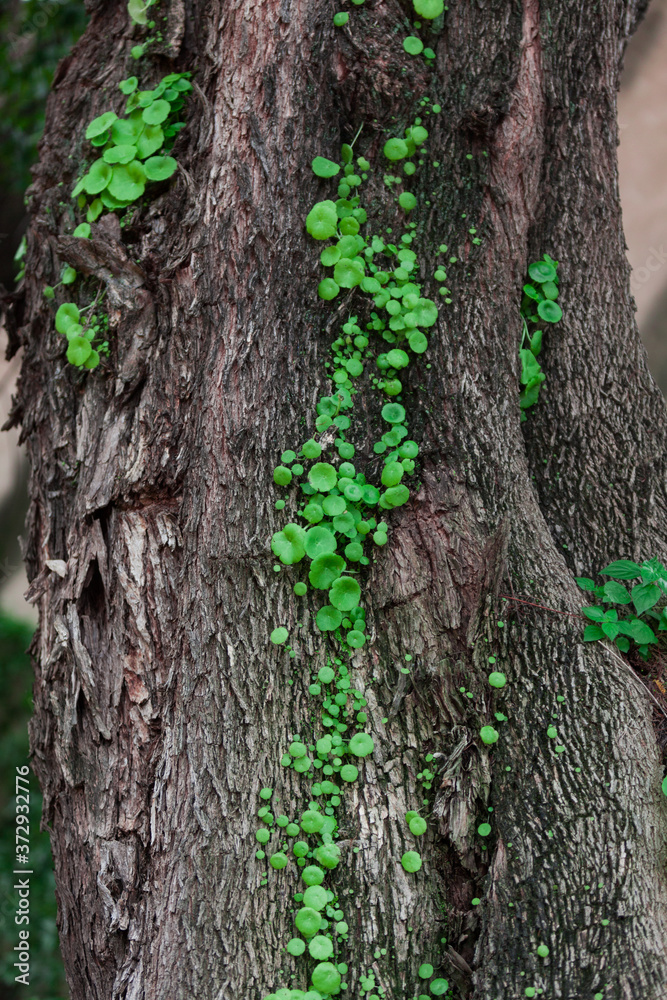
(616, 592)
(644, 596)
(622, 569)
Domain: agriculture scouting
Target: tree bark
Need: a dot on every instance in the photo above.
(161, 706)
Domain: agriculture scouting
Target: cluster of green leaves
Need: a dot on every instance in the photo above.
(646, 597)
(85, 334)
(134, 148)
(338, 517)
(538, 306)
(339, 502)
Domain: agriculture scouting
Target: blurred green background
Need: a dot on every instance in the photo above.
(34, 36)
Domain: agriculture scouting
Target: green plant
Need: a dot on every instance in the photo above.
(134, 152)
(134, 148)
(646, 597)
(538, 306)
(337, 521)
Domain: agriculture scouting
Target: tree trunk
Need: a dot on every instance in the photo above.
(161, 705)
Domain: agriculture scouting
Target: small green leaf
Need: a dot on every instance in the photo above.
(78, 351)
(98, 177)
(322, 220)
(160, 168)
(324, 168)
(66, 316)
(585, 582)
(595, 614)
(541, 271)
(119, 154)
(549, 311)
(137, 11)
(593, 632)
(101, 124)
(156, 113)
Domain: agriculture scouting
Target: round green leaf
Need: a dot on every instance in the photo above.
(549, 311)
(393, 413)
(345, 593)
(326, 978)
(319, 541)
(279, 635)
(497, 680)
(542, 271)
(324, 168)
(325, 570)
(119, 154)
(417, 827)
(315, 895)
(66, 316)
(407, 201)
(323, 477)
(128, 86)
(330, 256)
(395, 149)
(355, 638)
(308, 921)
(328, 618)
(413, 45)
(488, 735)
(328, 289)
(128, 181)
(156, 112)
(78, 351)
(159, 168)
(101, 124)
(439, 987)
(125, 131)
(321, 948)
(322, 220)
(349, 273)
(149, 141)
(289, 544)
(411, 861)
(361, 744)
(429, 9)
(97, 178)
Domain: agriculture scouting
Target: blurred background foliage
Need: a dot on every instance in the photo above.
(34, 36)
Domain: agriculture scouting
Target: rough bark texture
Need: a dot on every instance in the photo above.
(160, 702)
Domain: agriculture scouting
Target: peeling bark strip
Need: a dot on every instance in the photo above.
(159, 701)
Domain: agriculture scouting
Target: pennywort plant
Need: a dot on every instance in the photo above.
(340, 506)
(538, 307)
(133, 153)
(646, 601)
(133, 148)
